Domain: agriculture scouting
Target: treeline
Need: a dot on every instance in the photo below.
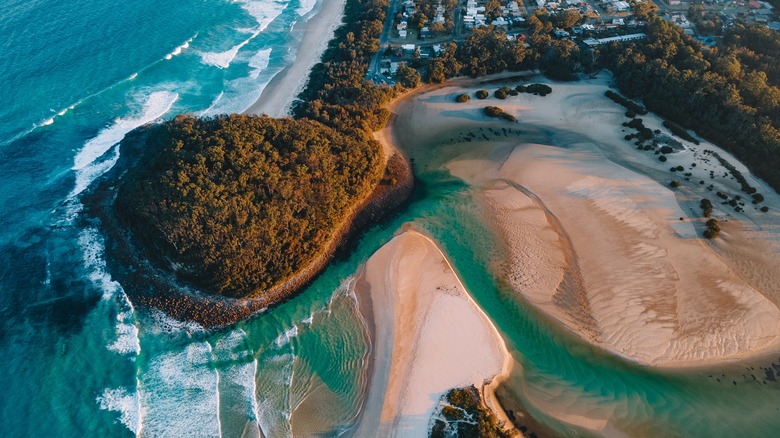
(338, 94)
(728, 94)
(238, 204)
(487, 50)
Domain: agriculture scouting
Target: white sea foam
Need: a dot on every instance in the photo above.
(132, 76)
(223, 59)
(92, 246)
(259, 62)
(167, 324)
(92, 171)
(179, 394)
(285, 337)
(155, 106)
(48, 121)
(177, 51)
(125, 403)
(210, 110)
(305, 6)
(127, 341)
(263, 11)
(127, 335)
(243, 373)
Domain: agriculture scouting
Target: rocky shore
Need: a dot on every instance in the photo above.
(150, 287)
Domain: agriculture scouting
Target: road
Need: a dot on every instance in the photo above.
(374, 68)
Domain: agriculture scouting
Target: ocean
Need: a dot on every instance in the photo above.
(78, 360)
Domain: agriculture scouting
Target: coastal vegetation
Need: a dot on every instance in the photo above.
(496, 112)
(244, 206)
(728, 94)
(241, 203)
(465, 416)
(338, 93)
(462, 98)
(713, 229)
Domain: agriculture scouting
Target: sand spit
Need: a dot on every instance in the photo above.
(280, 93)
(428, 336)
(592, 234)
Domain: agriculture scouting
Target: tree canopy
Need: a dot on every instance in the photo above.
(728, 94)
(237, 204)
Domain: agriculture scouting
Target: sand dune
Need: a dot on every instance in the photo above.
(429, 336)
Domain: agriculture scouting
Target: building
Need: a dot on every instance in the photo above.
(592, 42)
(621, 6)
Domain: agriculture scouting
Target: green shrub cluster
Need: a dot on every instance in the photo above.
(535, 89)
(713, 229)
(706, 207)
(630, 105)
(494, 111)
(463, 403)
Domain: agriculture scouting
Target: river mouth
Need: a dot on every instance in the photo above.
(573, 376)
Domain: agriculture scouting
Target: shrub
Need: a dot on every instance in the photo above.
(540, 89)
(765, 209)
(679, 131)
(666, 149)
(675, 184)
(631, 106)
(462, 98)
(706, 207)
(494, 111)
(713, 229)
(662, 159)
(482, 94)
(501, 93)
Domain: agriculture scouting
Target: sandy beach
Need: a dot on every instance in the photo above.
(278, 96)
(428, 336)
(591, 232)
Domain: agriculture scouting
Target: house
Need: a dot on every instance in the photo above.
(621, 6)
(408, 49)
(499, 22)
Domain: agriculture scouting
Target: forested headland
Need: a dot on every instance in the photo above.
(239, 204)
(252, 207)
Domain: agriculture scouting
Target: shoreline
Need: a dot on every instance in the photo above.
(568, 125)
(317, 31)
(148, 286)
(428, 336)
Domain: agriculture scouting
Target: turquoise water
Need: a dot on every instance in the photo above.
(78, 360)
